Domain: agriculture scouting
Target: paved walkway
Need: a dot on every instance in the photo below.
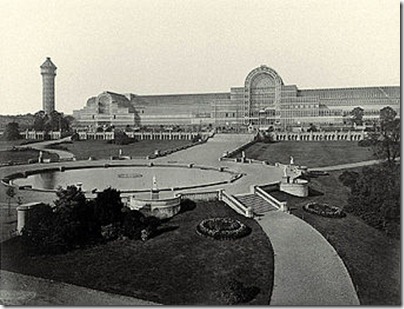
(63, 155)
(17, 289)
(308, 271)
(345, 166)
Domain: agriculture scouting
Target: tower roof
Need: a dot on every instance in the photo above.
(48, 64)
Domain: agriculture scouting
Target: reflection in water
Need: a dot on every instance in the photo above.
(46, 180)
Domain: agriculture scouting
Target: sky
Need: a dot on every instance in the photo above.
(191, 46)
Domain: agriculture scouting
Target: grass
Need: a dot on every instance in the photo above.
(6, 145)
(372, 259)
(101, 149)
(311, 154)
(177, 267)
(22, 156)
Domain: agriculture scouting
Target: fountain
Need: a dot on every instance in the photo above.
(152, 204)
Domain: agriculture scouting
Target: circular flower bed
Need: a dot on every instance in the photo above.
(222, 228)
(324, 210)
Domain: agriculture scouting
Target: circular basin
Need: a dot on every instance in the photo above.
(126, 179)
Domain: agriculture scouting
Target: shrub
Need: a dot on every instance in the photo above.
(121, 138)
(48, 232)
(132, 224)
(111, 231)
(135, 225)
(108, 207)
(75, 137)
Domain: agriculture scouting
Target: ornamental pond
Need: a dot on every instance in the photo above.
(126, 178)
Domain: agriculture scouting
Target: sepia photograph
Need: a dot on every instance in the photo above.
(200, 153)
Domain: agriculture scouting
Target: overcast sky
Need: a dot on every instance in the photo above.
(158, 47)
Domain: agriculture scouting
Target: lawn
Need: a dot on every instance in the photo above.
(100, 149)
(372, 259)
(21, 156)
(177, 267)
(311, 154)
(6, 145)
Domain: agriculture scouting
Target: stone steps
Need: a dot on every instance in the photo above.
(258, 204)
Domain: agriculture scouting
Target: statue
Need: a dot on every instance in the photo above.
(40, 157)
(291, 160)
(284, 171)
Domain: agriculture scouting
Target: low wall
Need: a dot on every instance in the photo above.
(145, 135)
(298, 188)
(204, 196)
(40, 135)
(319, 136)
(24, 213)
(235, 204)
(160, 208)
(282, 206)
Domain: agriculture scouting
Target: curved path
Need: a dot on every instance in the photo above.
(308, 271)
(63, 155)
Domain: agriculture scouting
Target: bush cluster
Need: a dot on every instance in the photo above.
(324, 210)
(75, 221)
(375, 196)
(121, 138)
(222, 228)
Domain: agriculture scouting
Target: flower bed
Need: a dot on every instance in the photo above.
(324, 210)
(222, 228)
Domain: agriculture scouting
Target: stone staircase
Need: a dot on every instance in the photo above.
(258, 204)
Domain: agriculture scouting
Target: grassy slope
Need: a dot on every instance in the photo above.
(102, 150)
(372, 259)
(22, 156)
(176, 267)
(311, 154)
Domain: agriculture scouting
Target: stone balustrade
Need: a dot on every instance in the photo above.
(319, 136)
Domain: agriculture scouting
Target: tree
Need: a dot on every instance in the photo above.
(121, 138)
(357, 115)
(69, 199)
(55, 121)
(386, 144)
(312, 128)
(40, 118)
(387, 114)
(11, 132)
(375, 196)
(10, 195)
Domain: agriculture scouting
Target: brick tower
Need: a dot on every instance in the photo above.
(48, 72)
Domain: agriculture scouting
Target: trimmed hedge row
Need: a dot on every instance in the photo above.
(222, 228)
(324, 210)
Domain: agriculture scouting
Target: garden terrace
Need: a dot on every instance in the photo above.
(177, 267)
(309, 153)
(24, 156)
(101, 149)
(372, 258)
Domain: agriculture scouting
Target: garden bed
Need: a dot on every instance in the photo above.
(222, 228)
(324, 210)
(176, 267)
